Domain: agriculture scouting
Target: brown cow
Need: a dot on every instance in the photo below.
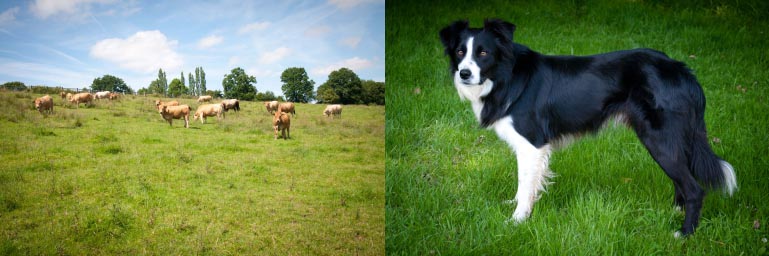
(169, 113)
(271, 106)
(204, 98)
(159, 103)
(282, 121)
(231, 104)
(82, 97)
(287, 107)
(209, 110)
(44, 103)
(114, 96)
(333, 110)
(63, 95)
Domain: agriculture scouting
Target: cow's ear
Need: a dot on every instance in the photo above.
(450, 35)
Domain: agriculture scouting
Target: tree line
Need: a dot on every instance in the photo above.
(343, 86)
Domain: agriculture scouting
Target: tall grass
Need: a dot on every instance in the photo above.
(447, 181)
(114, 178)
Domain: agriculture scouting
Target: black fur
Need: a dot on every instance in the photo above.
(552, 96)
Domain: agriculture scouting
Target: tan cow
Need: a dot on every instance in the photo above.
(282, 121)
(333, 110)
(169, 113)
(82, 97)
(271, 106)
(114, 96)
(204, 98)
(102, 95)
(159, 103)
(209, 110)
(44, 103)
(287, 107)
(63, 95)
(231, 104)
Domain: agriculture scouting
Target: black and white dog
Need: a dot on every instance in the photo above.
(533, 101)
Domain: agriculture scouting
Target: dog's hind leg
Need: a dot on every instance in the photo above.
(667, 148)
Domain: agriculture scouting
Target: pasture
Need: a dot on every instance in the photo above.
(447, 180)
(115, 178)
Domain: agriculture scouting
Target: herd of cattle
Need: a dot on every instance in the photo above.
(281, 121)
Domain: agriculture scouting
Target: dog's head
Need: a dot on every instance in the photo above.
(475, 52)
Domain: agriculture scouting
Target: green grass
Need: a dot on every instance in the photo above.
(117, 179)
(447, 180)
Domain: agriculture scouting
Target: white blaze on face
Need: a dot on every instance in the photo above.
(468, 63)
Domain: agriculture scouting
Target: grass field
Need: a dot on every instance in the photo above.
(447, 180)
(116, 179)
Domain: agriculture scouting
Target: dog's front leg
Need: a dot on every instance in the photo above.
(532, 178)
(532, 167)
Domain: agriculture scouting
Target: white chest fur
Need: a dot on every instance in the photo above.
(473, 93)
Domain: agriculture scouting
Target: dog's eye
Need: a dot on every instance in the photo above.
(460, 53)
(483, 53)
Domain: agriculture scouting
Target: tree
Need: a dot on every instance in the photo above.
(162, 82)
(14, 86)
(176, 88)
(327, 95)
(155, 87)
(297, 86)
(193, 84)
(238, 85)
(346, 85)
(190, 89)
(110, 83)
(265, 96)
(215, 93)
(201, 80)
(373, 92)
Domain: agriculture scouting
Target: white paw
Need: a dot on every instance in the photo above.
(520, 215)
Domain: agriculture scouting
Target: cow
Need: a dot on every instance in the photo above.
(271, 106)
(159, 103)
(333, 110)
(231, 104)
(102, 95)
(44, 103)
(114, 96)
(82, 97)
(205, 98)
(209, 110)
(63, 95)
(169, 113)
(287, 107)
(282, 122)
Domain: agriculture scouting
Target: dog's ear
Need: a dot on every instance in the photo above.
(500, 27)
(450, 35)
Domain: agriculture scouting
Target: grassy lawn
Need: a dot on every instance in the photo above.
(117, 179)
(447, 180)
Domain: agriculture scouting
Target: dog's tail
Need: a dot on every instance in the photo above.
(709, 169)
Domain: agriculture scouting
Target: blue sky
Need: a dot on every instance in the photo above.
(70, 42)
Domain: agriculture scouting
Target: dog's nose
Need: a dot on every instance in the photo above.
(465, 73)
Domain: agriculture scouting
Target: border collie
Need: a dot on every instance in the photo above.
(533, 101)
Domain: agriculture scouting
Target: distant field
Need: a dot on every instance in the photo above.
(116, 179)
(447, 180)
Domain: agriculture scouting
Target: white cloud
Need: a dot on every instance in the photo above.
(356, 64)
(8, 16)
(253, 27)
(46, 8)
(145, 51)
(233, 61)
(347, 4)
(317, 31)
(209, 41)
(352, 41)
(273, 56)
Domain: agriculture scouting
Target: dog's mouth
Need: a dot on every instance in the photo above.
(470, 82)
